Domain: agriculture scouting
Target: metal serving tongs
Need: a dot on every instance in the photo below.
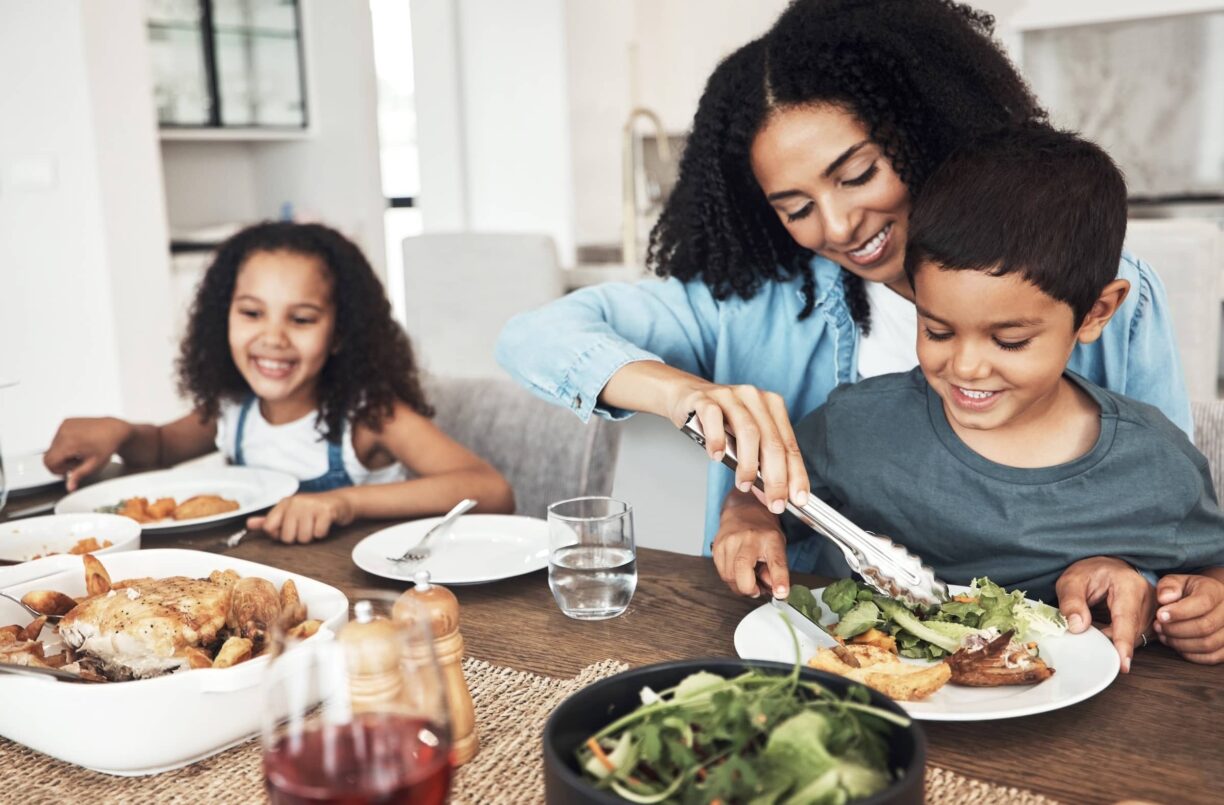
(883, 564)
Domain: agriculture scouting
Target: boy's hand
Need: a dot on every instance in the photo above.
(749, 538)
(1191, 617)
(1131, 600)
(83, 445)
(304, 517)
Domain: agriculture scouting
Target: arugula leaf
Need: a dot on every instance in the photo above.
(841, 595)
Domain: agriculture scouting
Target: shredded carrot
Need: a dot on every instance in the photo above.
(1031, 645)
(599, 753)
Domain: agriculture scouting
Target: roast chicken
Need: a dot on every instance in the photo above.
(148, 627)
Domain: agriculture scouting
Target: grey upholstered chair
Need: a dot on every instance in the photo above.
(544, 451)
(1209, 439)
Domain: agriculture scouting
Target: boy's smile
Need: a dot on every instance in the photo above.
(281, 323)
(994, 349)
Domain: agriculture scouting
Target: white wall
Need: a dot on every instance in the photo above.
(82, 232)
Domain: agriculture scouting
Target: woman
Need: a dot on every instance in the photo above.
(784, 238)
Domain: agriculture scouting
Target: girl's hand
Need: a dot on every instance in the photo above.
(763, 434)
(750, 545)
(1131, 600)
(1191, 617)
(83, 445)
(305, 517)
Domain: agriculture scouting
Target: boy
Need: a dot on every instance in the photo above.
(991, 459)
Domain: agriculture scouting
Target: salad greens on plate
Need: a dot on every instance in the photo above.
(758, 738)
(935, 632)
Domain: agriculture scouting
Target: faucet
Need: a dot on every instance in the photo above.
(629, 206)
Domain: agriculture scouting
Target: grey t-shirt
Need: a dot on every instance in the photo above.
(882, 452)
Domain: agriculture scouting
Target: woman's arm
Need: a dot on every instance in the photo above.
(83, 445)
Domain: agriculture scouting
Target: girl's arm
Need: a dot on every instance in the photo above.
(82, 445)
(446, 471)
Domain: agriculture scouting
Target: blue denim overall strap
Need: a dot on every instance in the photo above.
(336, 476)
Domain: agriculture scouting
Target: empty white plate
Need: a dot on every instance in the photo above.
(254, 489)
(25, 474)
(478, 548)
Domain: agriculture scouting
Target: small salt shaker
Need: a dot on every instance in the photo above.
(443, 608)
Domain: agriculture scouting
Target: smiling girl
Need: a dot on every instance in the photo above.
(294, 363)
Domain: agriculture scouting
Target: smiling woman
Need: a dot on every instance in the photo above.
(807, 149)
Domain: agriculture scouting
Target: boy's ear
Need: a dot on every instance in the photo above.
(1106, 305)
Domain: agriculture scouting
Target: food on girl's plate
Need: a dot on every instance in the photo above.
(985, 635)
(193, 508)
(758, 737)
(146, 627)
(82, 546)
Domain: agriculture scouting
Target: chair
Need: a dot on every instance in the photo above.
(1209, 439)
(461, 288)
(544, 451)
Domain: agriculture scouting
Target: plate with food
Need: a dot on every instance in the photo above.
(478, 548)
(988, 653)
(25, 474)
(166, 501)
(171, 645)
(37, 537)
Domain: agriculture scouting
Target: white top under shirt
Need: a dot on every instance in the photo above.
(295, 447)
(894, 327)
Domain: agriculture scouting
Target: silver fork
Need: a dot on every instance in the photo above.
(420, 551)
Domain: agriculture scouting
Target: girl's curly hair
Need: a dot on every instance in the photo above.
(923, 76)
(360, 382)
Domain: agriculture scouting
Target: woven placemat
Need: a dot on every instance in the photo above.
(511, 707)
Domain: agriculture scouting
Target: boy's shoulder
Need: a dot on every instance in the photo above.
(881, 399)
(1139, 421)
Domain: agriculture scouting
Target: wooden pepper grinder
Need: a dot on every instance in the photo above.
(372, 655)
(443, 610)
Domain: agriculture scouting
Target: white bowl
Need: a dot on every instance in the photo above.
(149, 725)
(22, 540)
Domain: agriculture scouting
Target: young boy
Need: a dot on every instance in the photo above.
(991, 459)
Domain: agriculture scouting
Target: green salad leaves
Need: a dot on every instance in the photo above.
(935, 632)
(758, 738)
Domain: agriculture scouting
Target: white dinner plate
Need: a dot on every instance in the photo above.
(254, 489)
(25, 474)
(1084, 665)
(477, 548)
(22, 540)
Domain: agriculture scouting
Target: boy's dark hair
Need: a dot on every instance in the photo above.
(923, 77)
(1031, 200)
(373, 367)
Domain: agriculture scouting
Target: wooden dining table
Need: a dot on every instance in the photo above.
(1155, 734)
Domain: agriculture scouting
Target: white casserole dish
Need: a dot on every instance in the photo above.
(150, 725)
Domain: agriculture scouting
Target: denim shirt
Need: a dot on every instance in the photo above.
(566, 351)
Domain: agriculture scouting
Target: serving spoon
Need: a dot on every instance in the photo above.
(30, 609)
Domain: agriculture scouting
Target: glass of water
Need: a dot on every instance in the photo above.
(592, 563)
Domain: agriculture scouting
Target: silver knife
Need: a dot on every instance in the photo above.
(29, 511)
(886, 566)
(803, 625)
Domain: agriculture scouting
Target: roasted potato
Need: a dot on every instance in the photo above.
(203, 506)
(197, 658)
(49, 602)
(9, 634)
(34, 629)
(880, 669)
(254, 608)
(293, 611)
(233, 651)
(226, 578)
(874, 637)
(97, 580)
(304, 629)
(135, 508)
(161, 508)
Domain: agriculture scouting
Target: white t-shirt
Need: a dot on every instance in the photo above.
(294, 447)
(894, 328)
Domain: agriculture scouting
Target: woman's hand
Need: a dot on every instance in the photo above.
(305, 517)
(1191, 616)
(750, 546)
(83, 445)
(1131, 600)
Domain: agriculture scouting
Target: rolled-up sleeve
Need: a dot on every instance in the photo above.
(1154, 371)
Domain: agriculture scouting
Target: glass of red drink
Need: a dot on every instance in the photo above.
(359, 716)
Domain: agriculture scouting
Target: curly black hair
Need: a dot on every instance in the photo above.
(923, 77)
(360, 382)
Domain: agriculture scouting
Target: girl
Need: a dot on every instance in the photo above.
(294, 363)
(783, 245)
